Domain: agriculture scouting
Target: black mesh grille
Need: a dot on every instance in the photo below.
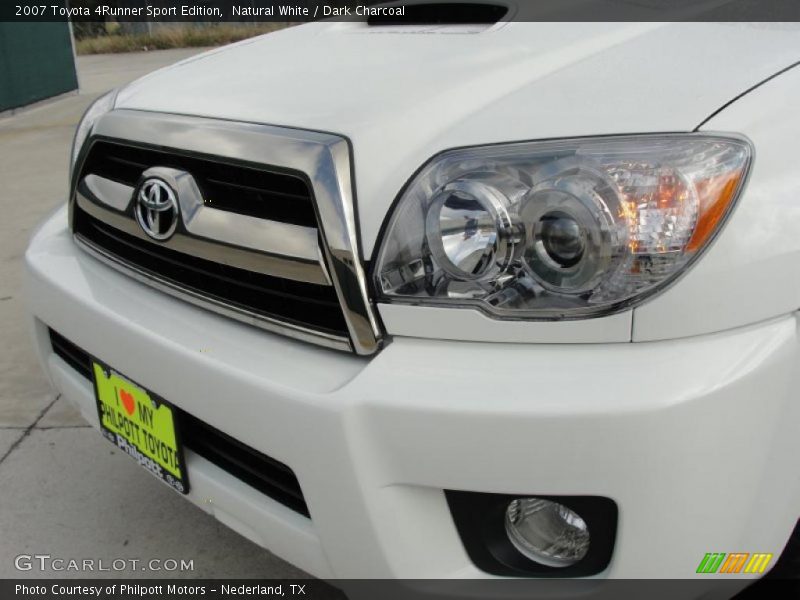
(267, 475)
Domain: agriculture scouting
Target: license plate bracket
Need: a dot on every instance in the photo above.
(141, 424)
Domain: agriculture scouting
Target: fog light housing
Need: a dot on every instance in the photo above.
(547, 532)
(536, 535)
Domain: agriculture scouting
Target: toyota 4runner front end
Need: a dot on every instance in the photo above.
(508, 301)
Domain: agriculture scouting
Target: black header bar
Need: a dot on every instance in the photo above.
(399, 13)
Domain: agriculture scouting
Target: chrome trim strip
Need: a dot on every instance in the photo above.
(111, 193)
(214, 251)
(264, 322)
(337, 212)
(323, 157)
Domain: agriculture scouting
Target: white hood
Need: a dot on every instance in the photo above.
(401, 96)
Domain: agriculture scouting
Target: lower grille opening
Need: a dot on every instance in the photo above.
(71, 354)
(267, 475)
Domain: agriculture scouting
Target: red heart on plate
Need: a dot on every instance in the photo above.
(127, 401)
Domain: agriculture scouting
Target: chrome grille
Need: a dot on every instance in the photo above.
(250, 190)
(266, 232)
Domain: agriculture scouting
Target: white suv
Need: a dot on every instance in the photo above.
(513, 300)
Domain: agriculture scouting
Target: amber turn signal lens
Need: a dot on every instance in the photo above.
(715, 197)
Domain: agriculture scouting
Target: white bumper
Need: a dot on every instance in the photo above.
(695, 439)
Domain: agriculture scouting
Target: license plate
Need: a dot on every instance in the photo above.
(140, 424)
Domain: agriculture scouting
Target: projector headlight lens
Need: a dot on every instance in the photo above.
(562, 240)
(553, 230)
(547, 532)
(469, 230)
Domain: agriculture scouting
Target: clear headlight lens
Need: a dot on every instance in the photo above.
(561, 229)
(98, 108)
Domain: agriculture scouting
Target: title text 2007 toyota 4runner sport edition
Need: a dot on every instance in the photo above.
(474, 301)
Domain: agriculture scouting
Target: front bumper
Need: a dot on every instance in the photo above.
(694, 439)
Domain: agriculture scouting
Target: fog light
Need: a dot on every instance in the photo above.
(547, 532)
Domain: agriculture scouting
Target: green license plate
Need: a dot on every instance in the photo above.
(140, 424)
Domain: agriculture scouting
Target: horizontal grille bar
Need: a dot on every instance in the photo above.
(299, 303)
(296, 249)
(247, 190)
(269, 476)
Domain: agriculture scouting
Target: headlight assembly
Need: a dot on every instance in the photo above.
(564, 229)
